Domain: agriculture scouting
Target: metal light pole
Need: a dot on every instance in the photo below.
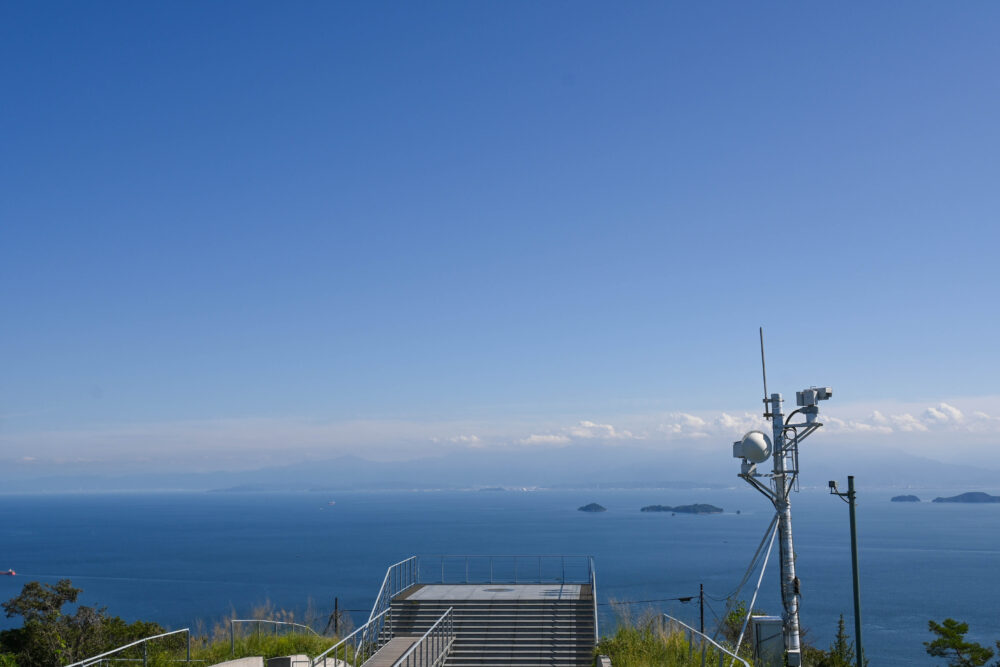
(850, 498)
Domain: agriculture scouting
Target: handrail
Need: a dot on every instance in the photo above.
(360, 639)
(98, 658)
(593, 595)
(426, 653)
(723, 651)
(234, 621)
(515, 563)
(398, 577)
(267, 620)
(506, 556)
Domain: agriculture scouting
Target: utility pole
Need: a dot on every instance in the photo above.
(334, 619)
(850, 497)
(701, 607)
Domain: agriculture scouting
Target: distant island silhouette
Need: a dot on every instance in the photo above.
(971, 497)
(592, 507)
(697, 508)
(905, 499)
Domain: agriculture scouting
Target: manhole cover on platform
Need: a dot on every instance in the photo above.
(498, 590)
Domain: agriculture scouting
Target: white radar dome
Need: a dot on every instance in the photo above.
(756, 447)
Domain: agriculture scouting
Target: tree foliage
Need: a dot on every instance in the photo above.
(951, 644)
(49, 637)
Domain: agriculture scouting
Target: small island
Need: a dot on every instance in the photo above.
(697, 508)
(904, 499)
(592, 507)
(971, 497)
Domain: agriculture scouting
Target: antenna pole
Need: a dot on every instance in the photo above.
(763, 370)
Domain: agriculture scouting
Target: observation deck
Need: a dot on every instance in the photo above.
(501, 611)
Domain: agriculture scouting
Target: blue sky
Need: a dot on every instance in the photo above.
(400, 227)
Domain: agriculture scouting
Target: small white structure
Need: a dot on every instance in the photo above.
(768, 641)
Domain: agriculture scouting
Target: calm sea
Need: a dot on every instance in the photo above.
(180, 558)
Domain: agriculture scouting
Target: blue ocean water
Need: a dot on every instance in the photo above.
(180, 558)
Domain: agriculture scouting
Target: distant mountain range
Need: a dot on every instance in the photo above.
(567, 467)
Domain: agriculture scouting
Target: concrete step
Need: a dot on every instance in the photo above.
(467, 622)
(507, 633)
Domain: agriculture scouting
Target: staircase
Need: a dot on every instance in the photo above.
(522, 632)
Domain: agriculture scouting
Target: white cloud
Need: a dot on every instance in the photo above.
(953, 413)
(549, 439)
(591, 430)
(684, 425)
(465, 439)
(965, 424)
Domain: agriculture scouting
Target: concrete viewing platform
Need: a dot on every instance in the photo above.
(495, 592)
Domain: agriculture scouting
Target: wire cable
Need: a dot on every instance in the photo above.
(753, 563)
(732, 599)
(753, 600)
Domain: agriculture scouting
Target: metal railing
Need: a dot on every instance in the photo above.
(398, 578)
(593, 596)
(357, 647)
(512, 569)
(145, 651)
(709, 648)
(434, 646)
(258, 621)
(480, 569)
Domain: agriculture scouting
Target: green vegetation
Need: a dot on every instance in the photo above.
(648, 642)
(49, 637)
(951, 644)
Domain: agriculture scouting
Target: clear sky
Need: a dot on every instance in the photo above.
(393, 228)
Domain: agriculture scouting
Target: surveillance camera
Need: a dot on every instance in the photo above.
(833, 484)
(813, 395)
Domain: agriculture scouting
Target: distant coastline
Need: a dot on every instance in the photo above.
(972, 497)
(697, 508)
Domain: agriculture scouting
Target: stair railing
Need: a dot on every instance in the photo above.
(434, 647)
(398, 578)
(593, 596)
(145, 650)
(705, 643)
(357, 647)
